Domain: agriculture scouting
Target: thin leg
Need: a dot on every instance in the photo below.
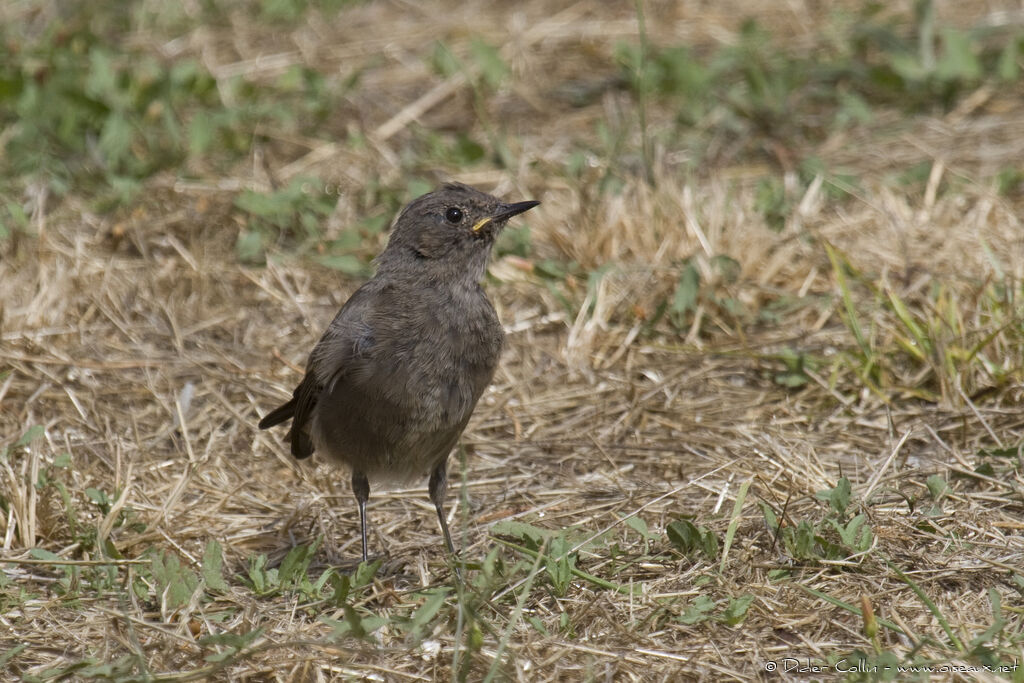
(438, 485)
(361, 487)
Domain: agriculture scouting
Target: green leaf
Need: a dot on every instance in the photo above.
(118, 670)
(10, 654)
(1008, 69)
(345, 263)
(264, 581)
(43, 554)
(770, 518)
(140, 589)
(838, 498)
(958, 61)
(1013, 451)
(202, 131)
(684, 299)
(492, 67)
(690, 539)
(374, 225)
(291, 565)
(684, 535)
(354, 625)
(466, 150)
(734, 522)
(175, 584)
(790, 380)
(699, 610)
(365, 573)
(922, 345)
(638, 525)
(853, 109)
(123, 189)
(998, 623)
(443, 61)
(249, 247)
(233, 644)
(111, 550)
(417, 187)
(986, 469)
(213, 561)
(273, 205)
(840, 266)
(115, 140)
(101, 82)
(550, 268)
(802, 541)
(513, 240)
(521, 530)
(325, 577)
(341, 584)
(354, 622)
(856, 534)
(560, 563)
(15, 220)
(30, 435)
(937, 486)
(770, 201)
(736, 610)
(426, 612)
(98, 497)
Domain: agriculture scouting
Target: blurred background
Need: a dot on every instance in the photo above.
(300, 127)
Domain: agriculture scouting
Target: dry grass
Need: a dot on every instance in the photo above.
(147, 353)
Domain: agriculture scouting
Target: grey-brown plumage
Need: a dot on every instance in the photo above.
(393, 381)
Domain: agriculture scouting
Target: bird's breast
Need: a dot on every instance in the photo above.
(429, 363)
(408, 389)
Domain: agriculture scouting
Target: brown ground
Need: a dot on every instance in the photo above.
(148, 353)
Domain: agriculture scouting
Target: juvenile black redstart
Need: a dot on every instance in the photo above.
(393, 381)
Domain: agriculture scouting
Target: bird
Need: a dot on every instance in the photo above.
(389, 387)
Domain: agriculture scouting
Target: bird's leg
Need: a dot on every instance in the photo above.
(361, 487)
(438, 485)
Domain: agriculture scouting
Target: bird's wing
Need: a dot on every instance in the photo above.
(345, 337)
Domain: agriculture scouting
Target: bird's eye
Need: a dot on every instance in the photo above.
(453, 215)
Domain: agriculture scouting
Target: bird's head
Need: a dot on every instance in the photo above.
(449, 231)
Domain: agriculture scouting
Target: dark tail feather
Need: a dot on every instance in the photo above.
(278, 415)
(302, 445)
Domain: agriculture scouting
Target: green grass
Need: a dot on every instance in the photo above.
(949, 343)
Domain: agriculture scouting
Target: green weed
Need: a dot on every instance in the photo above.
(759, 92)
(994, 650)
(559, 552)
(942, 346)
(730, 611)
(295, 212)
(834, 536)
(83, 108)
(693, 541)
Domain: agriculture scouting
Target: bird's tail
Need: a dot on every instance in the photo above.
(278, 415)
(302, 446)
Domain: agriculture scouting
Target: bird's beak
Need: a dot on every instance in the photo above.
(504, 212)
